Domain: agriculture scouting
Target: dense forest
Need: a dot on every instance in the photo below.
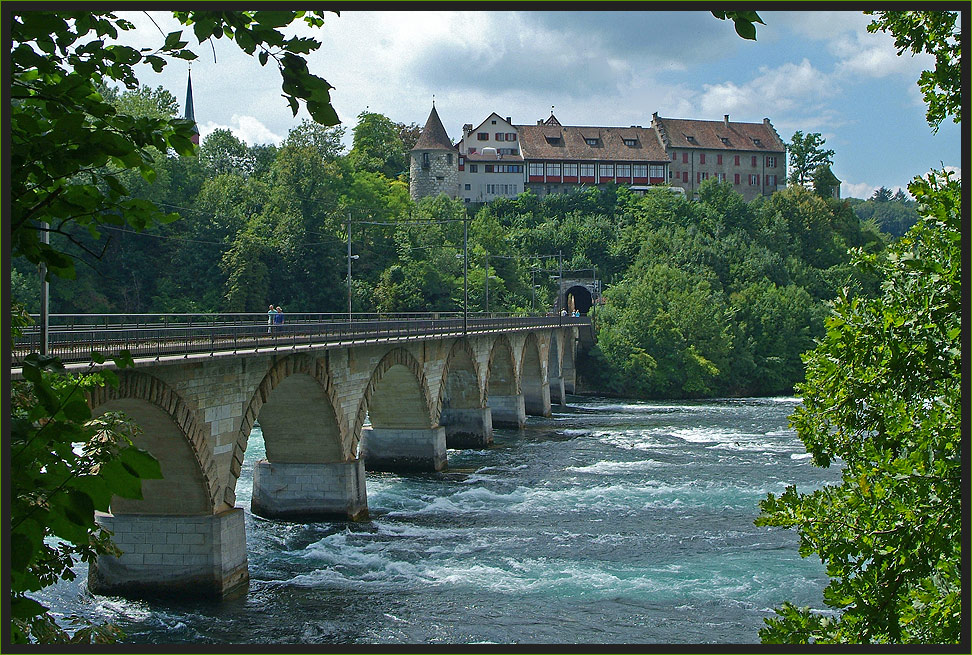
(709, 297)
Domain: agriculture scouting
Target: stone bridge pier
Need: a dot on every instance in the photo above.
(327, 413)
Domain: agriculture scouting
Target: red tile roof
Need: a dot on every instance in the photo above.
(718, 135)
(568, 142)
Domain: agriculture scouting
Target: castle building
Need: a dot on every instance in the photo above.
(433, 166)
(750, 156)
(501, 159)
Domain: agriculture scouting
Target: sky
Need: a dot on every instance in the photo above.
(809, 70)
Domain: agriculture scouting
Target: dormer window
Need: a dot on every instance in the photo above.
(631, 142)
(756, 141)
(725, 141)
(553, 140)
(591, 142)
(691, 139)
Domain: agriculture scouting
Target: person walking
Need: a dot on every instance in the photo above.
(278, 317)
(271, 315)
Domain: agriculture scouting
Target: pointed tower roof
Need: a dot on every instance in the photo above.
(190, 113)
(433, 135)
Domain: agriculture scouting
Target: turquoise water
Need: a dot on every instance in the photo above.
(610, 522)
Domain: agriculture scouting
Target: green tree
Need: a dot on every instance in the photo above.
(806, 154)
(68, 143)
(883, 395)
(222, 152)
(377, 146)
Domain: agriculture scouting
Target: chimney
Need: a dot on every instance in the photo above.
(725, 119)
(509, 120)
(766, 121)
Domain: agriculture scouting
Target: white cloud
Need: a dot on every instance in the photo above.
(245, 128)
(857, 190)
(874, 55)
(789, 89)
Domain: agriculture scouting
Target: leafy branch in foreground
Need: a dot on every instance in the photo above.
(68, 465)
(883, 396)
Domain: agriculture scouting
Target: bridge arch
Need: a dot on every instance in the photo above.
(501, 378)
(460, 387)
(298, 412)
(397, 396)
(533, 378)
(171, 434)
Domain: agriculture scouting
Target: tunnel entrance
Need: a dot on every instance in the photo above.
(579, 298)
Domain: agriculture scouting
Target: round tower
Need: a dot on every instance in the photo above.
(434, 166)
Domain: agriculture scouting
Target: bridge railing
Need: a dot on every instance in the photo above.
(73, 337)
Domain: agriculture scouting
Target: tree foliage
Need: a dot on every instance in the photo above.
(807, 154)
(882, 396)
(67, 464)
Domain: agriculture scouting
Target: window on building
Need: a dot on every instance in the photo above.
(674, 156)
(425, 160)
(754, 161)
(536, 168)
(449, 158)
(756, 142)
(641, 170)
(721, 177)
(701, 175)
(482, 136)
(473, 168)
(591, 142)
(725, 141)
(624, 170)
(570, 170)
(771, 181)
(489, 168)
(500, 136)
(553, 170)
(736, 181)
(684, 176)
(511, 136)
(690, 139)
(719, 160)
(607, 170)
(467, 187)
(737, 160)
(492, 122)
(771, 162)
(684, 157)
(586, 170)
(655, 170)
(754, 180)
(701, 157)
(631, 142)
(472, 151)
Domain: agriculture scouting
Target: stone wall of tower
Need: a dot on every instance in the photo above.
(441, 175)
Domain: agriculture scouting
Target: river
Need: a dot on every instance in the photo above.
(610, 522)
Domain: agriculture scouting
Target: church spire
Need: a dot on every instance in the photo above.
(190, 114)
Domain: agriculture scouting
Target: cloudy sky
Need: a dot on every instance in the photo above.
(814, 71)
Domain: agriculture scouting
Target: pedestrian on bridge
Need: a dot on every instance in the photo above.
(278, 317)
(271, 314)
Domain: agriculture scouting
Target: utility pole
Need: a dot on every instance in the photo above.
(465, 269)
(487, 284)
(349, 268)
(44, 298)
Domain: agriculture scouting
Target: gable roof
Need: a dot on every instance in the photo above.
(554, 141)
(433, 136)
(718, 135)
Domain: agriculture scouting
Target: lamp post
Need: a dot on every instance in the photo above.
(44, 298)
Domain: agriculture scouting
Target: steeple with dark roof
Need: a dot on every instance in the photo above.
(189, 113)
(433, 136)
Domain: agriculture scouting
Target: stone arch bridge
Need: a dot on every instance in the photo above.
(327, 412)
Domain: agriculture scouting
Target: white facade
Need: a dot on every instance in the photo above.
(490, 162)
